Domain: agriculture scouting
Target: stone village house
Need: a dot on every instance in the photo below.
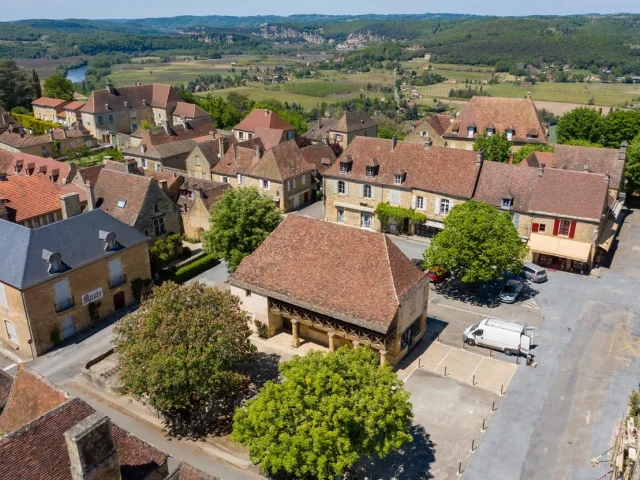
(196, 199)
(51, 144)
(342, 131)
(58, 279)
(430, 129)
(363, 289)
(259, 119)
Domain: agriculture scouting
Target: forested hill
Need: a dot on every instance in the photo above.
(585, 41)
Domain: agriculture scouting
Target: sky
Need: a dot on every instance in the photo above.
(58, 9)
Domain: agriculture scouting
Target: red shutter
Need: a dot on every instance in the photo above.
(556, 227)
(534, 227)
(572, 229)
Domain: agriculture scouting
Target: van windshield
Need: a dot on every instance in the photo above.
(474, 327)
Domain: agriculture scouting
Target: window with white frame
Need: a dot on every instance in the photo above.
(158, 226)
(370, 172)
(490, 131)
(225, 179)
(444, 206)
(338, 137)
(266, 184)
(365, 219)
(420, 203)
(342, 187)
(506, 203)
(394, 197)
(12, 333)
(157, 165)
(340, 218)
(240, 179)
(132, 113)
(344, 167)
(291, 184)
(3, 297)
(397, 178)
(197, 159)
(204, 176)
(366, 191)
(471, 132)
(303, 179)
(143, 161)
(510, 134)
(193, 174)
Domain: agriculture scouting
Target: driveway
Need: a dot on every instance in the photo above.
(214, 277)
(555, 418)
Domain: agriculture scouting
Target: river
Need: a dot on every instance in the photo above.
(76, 74)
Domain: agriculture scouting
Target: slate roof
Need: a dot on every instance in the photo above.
(353, 121)
(6, 381)
(360, 276)
(32, 164)
(260, 118)
(442, 170)
(35, 447)
(156, 95)
(75, 238)
(34, 196)
(319, 129)
(188, 472)
(518, 114)
(556, 193)
(569, 157)
(189, 110)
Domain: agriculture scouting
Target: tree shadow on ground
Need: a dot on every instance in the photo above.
(264, 368)
(411, 462)
(485, 295)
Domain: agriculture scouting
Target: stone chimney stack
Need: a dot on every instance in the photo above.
(91, 196)
(110, 88)
(92, 452)
(394, 142)
(479, 157)
(164, 186)
(541, 169)
(70, 205)
(585, 168)
(223, 143)
(258, 152)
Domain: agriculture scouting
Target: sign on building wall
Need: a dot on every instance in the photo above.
(92, 296)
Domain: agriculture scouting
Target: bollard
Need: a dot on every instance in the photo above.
(473, 444)
(418, 362)
(473, 380)
(445, 370)
(502, 389)
(493, 407)
(460, 468)
(484, 426)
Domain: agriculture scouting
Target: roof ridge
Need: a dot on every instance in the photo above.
(24, 265)
(45, 416)
(393, 283)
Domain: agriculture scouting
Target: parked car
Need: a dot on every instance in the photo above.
(511, 291)
(534, 272)
(437, 274)
(511, 338)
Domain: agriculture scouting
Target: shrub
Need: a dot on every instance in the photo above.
(187, 272)
(94, 311)
(55, 336)
(39, 127)
(263, 329)
(164, 251)
(140, 287)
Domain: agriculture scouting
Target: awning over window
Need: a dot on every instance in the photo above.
(349, 206)
(559, 247)
(430, 223)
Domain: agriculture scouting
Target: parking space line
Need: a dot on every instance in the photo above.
(443, 358)
(463, 310)
(6, 369)
(477, 366)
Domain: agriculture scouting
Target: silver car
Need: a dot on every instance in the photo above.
(533, 272)
(511, 291)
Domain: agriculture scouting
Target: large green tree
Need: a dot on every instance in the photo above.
(478, 244)
(16, 88)
(632, 169)
(620, 126)
(56, 86)
(580, 124)
(37, 88)
(240, 221)
(329, 410)
(496, 147)
(180, 352)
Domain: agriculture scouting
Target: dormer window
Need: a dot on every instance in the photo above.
(55, 261)
(471, 131)
(344, 167)
(122, 203)
(371, 171)
(491, 131)
(510, 133)
(397, 179)
(506, 203)
(109, 239)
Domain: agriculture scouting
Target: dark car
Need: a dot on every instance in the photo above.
(511, 291)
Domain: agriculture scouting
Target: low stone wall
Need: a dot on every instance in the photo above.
(105, 379)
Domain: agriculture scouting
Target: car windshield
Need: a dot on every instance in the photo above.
(509, 288)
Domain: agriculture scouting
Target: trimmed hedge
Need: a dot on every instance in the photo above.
(187, 272)
(39, 126)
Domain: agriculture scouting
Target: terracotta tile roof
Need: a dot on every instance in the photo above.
(259, 118)
(188, 472)
(34, 196)
(443, 170)
(90, 174)
(518, 114)
(502, 180)
(586, 198)
(319, 156)
(18, 139)
(538, 158)
(113, 187)
(439, 123)
(24, 163)
(189, 110)
(39, 450)
(6, 381)
(360, 277)
(211, 148)
(353, 121)
(49, 102)
(270, 136)
(319, 129)
(31, 396)
(238, 158)
(74, 105)
(597, 160)
(155, 95)
(211, 191)
(173, 181)
(6, 120)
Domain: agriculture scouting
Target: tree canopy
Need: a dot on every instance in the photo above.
(580, 124)
(16, 88)
(240, 221)
(329, 410)
(632, 170)
(57, 86)
(478, 244)
(496, 147)
(180, 351)
(527, 150)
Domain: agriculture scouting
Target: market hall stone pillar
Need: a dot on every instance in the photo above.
(383, 357)
(295, 339)
(332, 344)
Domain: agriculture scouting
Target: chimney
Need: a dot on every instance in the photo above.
(138, 84)
(266, 112)
(258, 153)
(163, 185)
(70, 205)
(622, 153)
(479, 157)
(394, 142)
(110, 88)
(91, 196)
(607, 178)
(540, 169)
(585, 168)
(92, 452)
(52, 135)
(165, 125)
(222, 146)
(198, 192)
(132, 165)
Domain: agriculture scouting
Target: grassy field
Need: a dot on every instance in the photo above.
(320, 88)
(170, 73)
(258, 94)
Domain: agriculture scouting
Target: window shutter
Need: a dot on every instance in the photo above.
(361, 190)
(335, 186)
(3, 297)
(373, 192)
(451, 204)
(572, 229)
(534, 227)
(346, 188)
(436, 207)
(516, 220)
(304, 179)
(413, 201)
(294, 183)
(556, 227)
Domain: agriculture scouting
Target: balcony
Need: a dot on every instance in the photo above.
(117, 281)
(65, 304)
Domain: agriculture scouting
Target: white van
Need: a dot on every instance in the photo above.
(511, 338)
